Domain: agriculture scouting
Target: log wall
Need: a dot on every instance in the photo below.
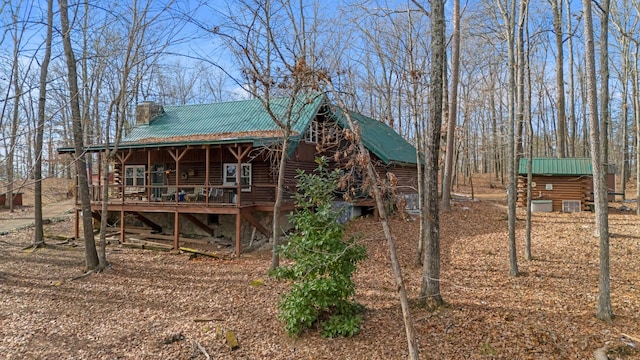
(563, 188)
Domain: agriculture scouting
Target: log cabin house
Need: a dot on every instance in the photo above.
(560, 184)
(211, 169)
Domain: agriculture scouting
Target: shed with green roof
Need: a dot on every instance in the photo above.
(565, 183)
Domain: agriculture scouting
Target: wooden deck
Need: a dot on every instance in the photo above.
(183, 206)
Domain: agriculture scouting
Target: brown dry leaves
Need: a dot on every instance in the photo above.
(127, 311)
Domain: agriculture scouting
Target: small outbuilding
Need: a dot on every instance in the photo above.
(561, 184)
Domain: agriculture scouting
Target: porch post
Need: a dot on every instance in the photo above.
(238, 231)
(176, 230)
(121, 226)
(238, 179)
(207, 183)
(98, 196)
(177, 196)
(147, 181)
(123, 179)
(177, 156)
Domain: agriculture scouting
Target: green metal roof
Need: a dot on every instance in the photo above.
(234, 120)
(381, 139)
(247, 121)
(557, 166)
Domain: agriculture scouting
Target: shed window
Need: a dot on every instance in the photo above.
(230, 175)
(570, 205)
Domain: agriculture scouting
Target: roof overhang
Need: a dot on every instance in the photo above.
(173, 144)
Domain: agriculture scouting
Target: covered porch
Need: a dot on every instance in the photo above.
(188, 183)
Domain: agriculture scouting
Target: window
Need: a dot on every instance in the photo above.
(570, 205)
(311, 135)
(230, 175)
(134, 178)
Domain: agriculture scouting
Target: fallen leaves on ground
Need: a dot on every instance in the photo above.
(147, 297)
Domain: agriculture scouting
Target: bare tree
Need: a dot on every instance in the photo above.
(508, 14)
(91, 254)
(561, 134)
(38, 240)
(17, 31)
(139, 34)
(522, 65)
(625, 25)
(364, 162)
(603, 308)
(572, 106)
(453, 107)
(430, 290)
(274, 63)
(605, 118)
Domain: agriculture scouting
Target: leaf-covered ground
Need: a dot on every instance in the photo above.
(139, 308)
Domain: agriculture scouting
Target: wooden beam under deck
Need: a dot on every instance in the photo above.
(246, 214)
(147, 221)
(186, 210)
(198, 223)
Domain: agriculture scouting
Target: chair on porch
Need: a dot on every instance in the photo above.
(170, 194)
(197, 195)
(201, 193)
(216, 194)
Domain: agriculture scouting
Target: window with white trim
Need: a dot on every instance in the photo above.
(134, 178)
(311, 136)
(230, 175)
(571, 205)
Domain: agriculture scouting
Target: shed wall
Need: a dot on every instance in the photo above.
(563, 188)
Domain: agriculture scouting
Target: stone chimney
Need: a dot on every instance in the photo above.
(147, 111)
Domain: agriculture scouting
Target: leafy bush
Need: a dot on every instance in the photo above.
(322, 262)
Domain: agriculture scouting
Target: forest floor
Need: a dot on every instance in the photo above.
(160, 305)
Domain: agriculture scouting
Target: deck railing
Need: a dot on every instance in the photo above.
(214, 195)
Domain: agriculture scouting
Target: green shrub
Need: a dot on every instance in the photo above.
(321, 262)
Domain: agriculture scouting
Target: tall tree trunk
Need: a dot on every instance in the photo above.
(512, 148)
(91, 255)
(624, 110)
(430, 290)
(495, 131)
(521, 107)
(413, 98)
(604, 81)
(527, 244)
(453, 107)
(276, 231)
(572, 105)
(636, 114)
(561, 134)
(17, 94)
(603, 308)
(38, 239)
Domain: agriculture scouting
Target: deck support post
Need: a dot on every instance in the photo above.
(238, 232)
(176, 231)
(121, 226)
